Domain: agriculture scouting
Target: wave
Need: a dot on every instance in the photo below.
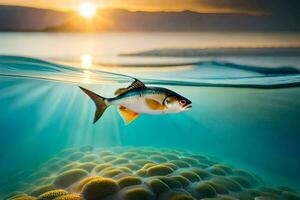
(205, 74)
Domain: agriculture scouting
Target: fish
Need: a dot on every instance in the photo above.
(139, 99)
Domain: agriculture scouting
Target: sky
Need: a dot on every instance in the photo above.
(208, 6)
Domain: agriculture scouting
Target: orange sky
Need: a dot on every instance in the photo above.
(210, 6)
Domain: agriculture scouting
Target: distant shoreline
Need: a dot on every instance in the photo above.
(219, 51)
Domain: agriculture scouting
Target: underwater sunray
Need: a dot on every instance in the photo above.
(31, 97)
(51, 104)
(16, 89)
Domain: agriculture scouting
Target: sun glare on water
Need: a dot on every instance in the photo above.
(87, 10)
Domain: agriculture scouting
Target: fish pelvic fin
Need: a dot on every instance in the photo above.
(127, 115)
(99, 101)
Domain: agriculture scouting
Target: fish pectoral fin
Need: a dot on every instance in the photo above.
(154, 105)
(127, 115)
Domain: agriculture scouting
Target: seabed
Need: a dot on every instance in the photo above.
(128, 173)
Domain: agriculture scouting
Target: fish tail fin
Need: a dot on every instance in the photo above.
(100, 102)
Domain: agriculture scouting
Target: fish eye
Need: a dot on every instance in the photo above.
(182, 102)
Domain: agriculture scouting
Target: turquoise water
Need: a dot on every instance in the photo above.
(245, 111)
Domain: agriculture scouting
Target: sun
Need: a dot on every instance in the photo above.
(87, 10)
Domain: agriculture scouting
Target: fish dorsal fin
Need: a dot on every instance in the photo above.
(136, 84)
(127, 115)
(154, 105)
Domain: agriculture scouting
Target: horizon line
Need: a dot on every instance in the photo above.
(232, 12)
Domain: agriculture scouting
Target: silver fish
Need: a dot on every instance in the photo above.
(139, 99)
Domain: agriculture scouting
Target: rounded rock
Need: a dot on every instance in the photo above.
(159, 170)
(205, 190)
(138, 194)
(67, 178)
(52, 195)
(129, 181)
(158, 186)
(98, 189)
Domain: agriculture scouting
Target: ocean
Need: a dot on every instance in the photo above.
(245, 114)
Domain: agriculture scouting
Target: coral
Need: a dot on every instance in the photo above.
(171, 156)
(290, 196)
(111, 173)
(99, 168)
(184, 181)
(139, 193)
(14, 195)
(205, 190)
(132, 166)
(243, 195)
(177, 196)
(191, 161)
(109, 158)
(157, 186)
(265, 198)
(193, 177)
(105, 153)
(242, 181)
(142, 162)
(250, 177)
(180, 163)
(142, 173)
(148, 165)
(230, 185)
(128, 173)
(220, 189)
(158, 159)
(201, 173)
(52, 195)
(69, 166)
(69, 197)
(89, 158)
(125, 169)
(128, 154)
(88, 166)
(119, 161)
(217, 170)
(98, 189)
(129, 181)
(76, 155)
(159, 170)
(224, 167)
(86, 148)
(67, 178)
(24, 197)
(81, 184)
(42, 189)
(172, 183)
(140, 157)
(171, 165)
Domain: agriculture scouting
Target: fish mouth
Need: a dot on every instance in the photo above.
(187, 107)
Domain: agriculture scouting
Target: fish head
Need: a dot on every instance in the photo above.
(176, 103)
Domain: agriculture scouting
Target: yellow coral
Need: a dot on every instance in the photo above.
(98, 189)
(67, 178)
(52, 195)
(128, 181)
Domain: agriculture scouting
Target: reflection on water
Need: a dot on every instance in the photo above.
(86, 63)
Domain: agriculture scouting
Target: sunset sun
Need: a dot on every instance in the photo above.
(87, 10)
